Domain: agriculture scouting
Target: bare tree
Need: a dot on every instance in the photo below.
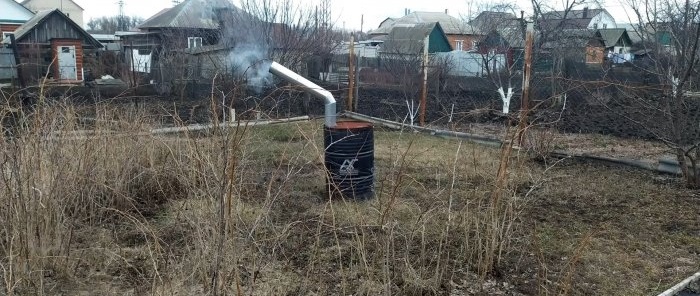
(667, 106)
(111, 24)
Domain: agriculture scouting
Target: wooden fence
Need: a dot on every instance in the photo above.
(8, 69)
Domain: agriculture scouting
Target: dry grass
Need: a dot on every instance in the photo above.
(593, 144)
(245, 212)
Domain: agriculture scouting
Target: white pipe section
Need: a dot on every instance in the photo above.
(310, 87)
(680, 286)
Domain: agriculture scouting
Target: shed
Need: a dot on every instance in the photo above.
(50, 42)
(410, 39)
(616, 40)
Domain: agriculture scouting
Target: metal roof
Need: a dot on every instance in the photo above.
(572, 19)
(489, 21)
(195, 14)
(408, 39)
(106, 37)
(449, 24)
(575, 38)
(612, 36)
(41, 16)
(573, 14)
(9, 18)
(25, 2)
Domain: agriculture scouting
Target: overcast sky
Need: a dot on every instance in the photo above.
(345, 12)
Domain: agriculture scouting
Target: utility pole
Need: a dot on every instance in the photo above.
(362, 24)
(424, 88)
(358, 66)
(326, 15)
(527, 70)
(351, 74)
(121, 22)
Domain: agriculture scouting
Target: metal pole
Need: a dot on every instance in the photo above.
(527, 70)
(358, 65)
(15, 53)
(424, 89)
(351, 74)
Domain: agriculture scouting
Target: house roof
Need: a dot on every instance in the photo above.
(632, 31)
(488, 21)
(409, 39)
(449, 24)
(575, 38)
(41, 17)
(499, 28)
(106, 37)
(25, 2)
(508, 37)
(8, 15)
(573, 14)
(572, 19)
(196, 14)
(612, 36)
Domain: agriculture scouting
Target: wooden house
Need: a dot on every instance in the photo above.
(163, 48)
(577, 45)
(52, 45)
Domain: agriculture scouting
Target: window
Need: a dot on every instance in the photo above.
(65, 49)
(605, 26)
(6, 35)
(193, 42)
(595, 26)
(459, 45)
(620, 51)
(475, 44)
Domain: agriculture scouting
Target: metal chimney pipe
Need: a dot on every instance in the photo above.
(289, 75)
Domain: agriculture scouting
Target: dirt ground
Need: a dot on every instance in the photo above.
(631, 232)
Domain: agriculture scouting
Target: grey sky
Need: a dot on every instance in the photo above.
(347, 12)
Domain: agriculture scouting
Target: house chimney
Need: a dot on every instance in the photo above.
(447, 11)
(405, 11)
(585, 12)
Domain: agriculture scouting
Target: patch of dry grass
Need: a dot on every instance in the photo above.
(246, 211)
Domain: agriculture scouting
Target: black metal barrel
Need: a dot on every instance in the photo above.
(350, 159)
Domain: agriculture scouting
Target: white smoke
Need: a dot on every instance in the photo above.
(249, 60)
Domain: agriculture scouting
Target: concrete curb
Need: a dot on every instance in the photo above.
(681, 286)
(480, 139)
(87, 134)
(663, 166)
(206, 127)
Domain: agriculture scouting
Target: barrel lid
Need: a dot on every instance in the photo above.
(351, 125)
